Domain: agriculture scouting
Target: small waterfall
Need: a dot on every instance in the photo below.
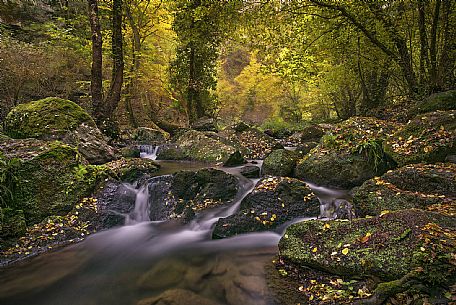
(149, 151)
(141, 211)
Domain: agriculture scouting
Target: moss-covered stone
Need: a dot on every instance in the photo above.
(258, 143)
(131, 151)
(437, 101)
(59, 119)
(45, 118)
(194, 145)
(281, 162)
(427, 138)
(423, 186)
(387, 247)
(348, 156)
(150, 136)
(273, 201)
(131, 169)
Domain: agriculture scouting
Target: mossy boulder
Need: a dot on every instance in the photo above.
(251, 171)
(194, 145)
(281, 162)
(404, 250)
(273, 201)
(131, 169)
(49, 117)
(422, 186)
(348, 156)
(130, 151)
(205, 184)
(204, 124)
(387, 246)
(312, 133)
(437, 101)
(150, 136)
(428, 137)
(58, 119)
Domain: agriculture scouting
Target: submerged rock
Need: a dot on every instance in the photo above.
(349, 156)
(429, 138)
(423, 186)
(273, 201)
(177, 297)
(58, 119)
(404, 249)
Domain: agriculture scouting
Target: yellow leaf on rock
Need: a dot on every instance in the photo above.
(314, 250)
(345, 251)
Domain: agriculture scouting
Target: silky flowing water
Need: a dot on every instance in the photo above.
(144, 259)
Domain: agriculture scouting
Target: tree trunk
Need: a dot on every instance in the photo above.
(433, 48)
(112, 101)
(424, 60)
(192, 93)
(96, 84)
(447, 58)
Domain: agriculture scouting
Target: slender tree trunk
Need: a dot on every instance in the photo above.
(192, 93)
(447, 58)
(96, 84)
(433, 47)
(112, 101)
(424, 60)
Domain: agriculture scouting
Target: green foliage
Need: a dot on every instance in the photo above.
(372, 149)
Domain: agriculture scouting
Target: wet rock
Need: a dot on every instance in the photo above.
(235, 159)
(251, 171)
(177, 297)
(349, 156)
(59, 119)
(274, 201)
(428, 138)
(281, 162)
(401, 246)
(204, 186)
(169, 273)
(423, 186)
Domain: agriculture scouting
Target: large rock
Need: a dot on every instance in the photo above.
(404, 250)
(150, 136)
(429, 138)
(422, 186)
(194, 145)
(274, 201)
(59, 119)
(437, 101)
(349, 156)
(311, 133)
(204, 124)
(281, 162)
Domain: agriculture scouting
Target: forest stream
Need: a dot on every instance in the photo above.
(145, 258)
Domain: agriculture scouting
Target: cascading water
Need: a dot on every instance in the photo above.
(149, 151)
(146, 258)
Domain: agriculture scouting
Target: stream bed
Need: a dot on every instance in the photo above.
(144, 259)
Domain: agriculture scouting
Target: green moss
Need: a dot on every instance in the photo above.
(438, 101)
(47, 117)
(280, 162)
(393, 247)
